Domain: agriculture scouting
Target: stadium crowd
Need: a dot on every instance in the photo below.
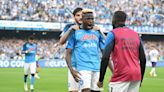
(140, 12)
(11, 49)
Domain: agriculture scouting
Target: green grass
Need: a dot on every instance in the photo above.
(55, 80)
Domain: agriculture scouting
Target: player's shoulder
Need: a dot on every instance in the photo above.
(35, 43)
(67, 26)
(132, 30)
(25, 43)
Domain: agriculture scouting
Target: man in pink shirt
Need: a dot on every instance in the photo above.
(127, 55)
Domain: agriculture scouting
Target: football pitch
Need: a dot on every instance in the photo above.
(55, 80)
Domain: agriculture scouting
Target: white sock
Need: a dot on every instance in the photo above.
(25, 87)
(31, 86)
(153, 70)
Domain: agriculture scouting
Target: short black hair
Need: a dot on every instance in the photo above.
(120, 16)
(31, 37)
(77, 10)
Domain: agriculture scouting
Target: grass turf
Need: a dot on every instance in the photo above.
(55, 80)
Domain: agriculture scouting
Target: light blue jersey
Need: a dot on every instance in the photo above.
(31, 56)
(86, 45)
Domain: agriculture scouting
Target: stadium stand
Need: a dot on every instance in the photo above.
(140, 12)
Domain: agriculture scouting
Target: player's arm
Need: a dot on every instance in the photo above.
(109, 38)
(105, 62)
(109, 45)
(70, 46)
(65, 36)
(105, 59)
(68, 58)
(24, 50)
(142, 58)
(74, 73)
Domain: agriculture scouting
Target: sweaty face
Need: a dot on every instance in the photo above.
(78, 17)
(88, 21)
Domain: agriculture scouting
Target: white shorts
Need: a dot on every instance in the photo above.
(132, 86)
(30, 67)
(89, 79)
(72, 84)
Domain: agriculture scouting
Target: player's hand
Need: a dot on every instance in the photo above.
(27, 51)
(75, 75)
(75, 27)
(96, 28)
(30, 50)
(100, 84)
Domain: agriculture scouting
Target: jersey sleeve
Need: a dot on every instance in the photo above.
(102, 41)
(109, 38)
(71, 41)
(67, 27)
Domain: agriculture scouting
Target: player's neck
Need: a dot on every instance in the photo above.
(118, 25)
